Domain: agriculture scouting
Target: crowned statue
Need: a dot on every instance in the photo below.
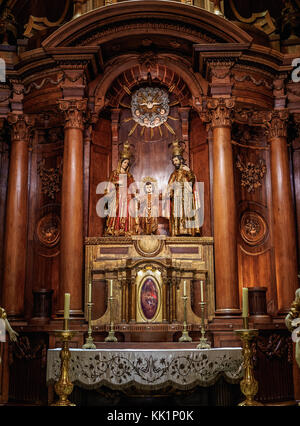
(184, 196)
(122, 217)
(149, 207)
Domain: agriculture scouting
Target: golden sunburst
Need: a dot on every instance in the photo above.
(152, 130)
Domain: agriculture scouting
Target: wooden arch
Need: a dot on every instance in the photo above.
(161, 17)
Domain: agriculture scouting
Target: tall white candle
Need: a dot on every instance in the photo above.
(184, 288)
(245, 302)
(111, 289)
(201, 289)
(67, 306)
(90, 293)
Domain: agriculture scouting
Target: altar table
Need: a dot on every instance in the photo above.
(146, 369)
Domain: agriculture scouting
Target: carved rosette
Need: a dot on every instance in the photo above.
(74, 111)
(219, 112)
(276, 123)
(253, 228)
(48, 230)
(20, 127)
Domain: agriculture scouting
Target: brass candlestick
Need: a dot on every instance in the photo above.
(64, 386)
(89, 342)
(204, 343)
(249, 385)
(185, 334)
(111, 334)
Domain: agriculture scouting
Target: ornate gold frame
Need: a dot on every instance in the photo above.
(148, 272)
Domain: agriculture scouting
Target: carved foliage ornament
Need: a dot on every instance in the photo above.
(20, 126)
(74, 112)
(219, 112)
(51, 179)
(276, 123)
(252, 174)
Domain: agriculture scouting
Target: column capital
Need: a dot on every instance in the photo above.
(21, 125)
(219, 112)
(276, 123)
(74, 111)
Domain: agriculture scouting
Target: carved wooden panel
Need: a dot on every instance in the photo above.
(45, 171)
(100, 169)
(28, 362)
(253, 197)
(199, 155)
(257, 270)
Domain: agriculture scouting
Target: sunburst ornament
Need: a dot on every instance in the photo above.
(150, 106)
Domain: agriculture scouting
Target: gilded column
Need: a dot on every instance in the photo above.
(15, 245)
(133, 301)
(283, 210)
(225, 222)
(71, 256)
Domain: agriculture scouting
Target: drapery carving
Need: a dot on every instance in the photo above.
(74, 111)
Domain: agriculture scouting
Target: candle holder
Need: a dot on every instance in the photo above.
(111, 334)
(249, 385)
(204, 343)
(185, 334)
(64, 386)
(89, 342)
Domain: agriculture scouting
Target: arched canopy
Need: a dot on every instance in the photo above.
(128, 18)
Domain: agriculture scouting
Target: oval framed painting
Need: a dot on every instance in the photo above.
(149, 298)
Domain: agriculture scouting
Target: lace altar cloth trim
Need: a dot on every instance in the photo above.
(148, 369)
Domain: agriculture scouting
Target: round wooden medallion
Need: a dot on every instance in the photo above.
(48, 230)
(253, 228)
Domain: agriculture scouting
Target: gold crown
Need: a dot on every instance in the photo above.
(149, 179)
(126, 151)
(177, 149)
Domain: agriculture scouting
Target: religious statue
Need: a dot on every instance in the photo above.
(149, 205)
(184, 197)
(122, 217)
(292, 322)
(12, 334)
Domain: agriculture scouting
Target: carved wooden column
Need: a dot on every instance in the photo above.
(133, 291)
(71, 270)
(225, 223)
(283, 211)
(15, 245)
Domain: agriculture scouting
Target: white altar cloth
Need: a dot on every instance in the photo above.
(148, 369)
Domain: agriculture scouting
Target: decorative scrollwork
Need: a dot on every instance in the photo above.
(74, 112)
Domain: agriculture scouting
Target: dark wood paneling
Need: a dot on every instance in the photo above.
(99, 172)
(199, 155)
